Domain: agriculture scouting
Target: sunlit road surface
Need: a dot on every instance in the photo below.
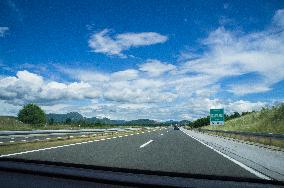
(163, 150)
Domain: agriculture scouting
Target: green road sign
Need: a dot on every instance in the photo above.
(216, 116)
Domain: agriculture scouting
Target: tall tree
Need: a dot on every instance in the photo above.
(32, 114)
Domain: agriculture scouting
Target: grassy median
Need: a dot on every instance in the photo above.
(26, 146)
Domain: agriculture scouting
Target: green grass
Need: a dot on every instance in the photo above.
(26, 146)
(268, 120)
(11, 123)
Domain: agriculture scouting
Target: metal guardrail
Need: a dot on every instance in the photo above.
(242, 133)
(7, 133)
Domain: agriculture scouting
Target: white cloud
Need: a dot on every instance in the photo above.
(3, 31)
(248, 89)
(30, 87)
(244, 106)
(156, 67)
(278, 18)
(103, 42)
(160, 90)
(235, 54)
(129, 74)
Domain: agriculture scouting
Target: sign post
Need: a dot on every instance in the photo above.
(216, 116)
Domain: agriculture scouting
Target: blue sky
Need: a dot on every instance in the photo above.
(141, 59)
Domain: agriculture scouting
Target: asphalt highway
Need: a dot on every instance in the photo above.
(163, 150)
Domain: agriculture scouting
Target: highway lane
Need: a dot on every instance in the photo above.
(163, 150)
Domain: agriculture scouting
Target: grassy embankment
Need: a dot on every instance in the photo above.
(268, 120)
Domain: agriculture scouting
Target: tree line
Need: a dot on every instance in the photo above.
(33, 114)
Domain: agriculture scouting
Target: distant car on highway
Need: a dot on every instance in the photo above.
(176, 127)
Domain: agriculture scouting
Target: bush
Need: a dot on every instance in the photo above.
(32, 114)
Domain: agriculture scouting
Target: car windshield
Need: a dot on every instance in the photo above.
(193, 87)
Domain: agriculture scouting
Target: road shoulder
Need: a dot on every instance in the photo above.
(263, 160)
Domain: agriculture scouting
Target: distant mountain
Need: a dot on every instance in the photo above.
(185, 122)
(142, 122)
(172, 122)
(77, 117)
(104, 121)
(60, 118)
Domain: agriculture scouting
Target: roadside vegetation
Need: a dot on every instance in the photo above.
(205, 121)
(267, 120)
(64, 140)
(32, 117)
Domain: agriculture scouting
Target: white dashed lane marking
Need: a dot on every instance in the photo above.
(143, 145)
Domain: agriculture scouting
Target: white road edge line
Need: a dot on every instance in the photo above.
(54, 147)
(143, 145)
(42, 149)
(258, 174)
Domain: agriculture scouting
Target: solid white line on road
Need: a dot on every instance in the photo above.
(143, 145)
(258, 174)
(43, 149)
